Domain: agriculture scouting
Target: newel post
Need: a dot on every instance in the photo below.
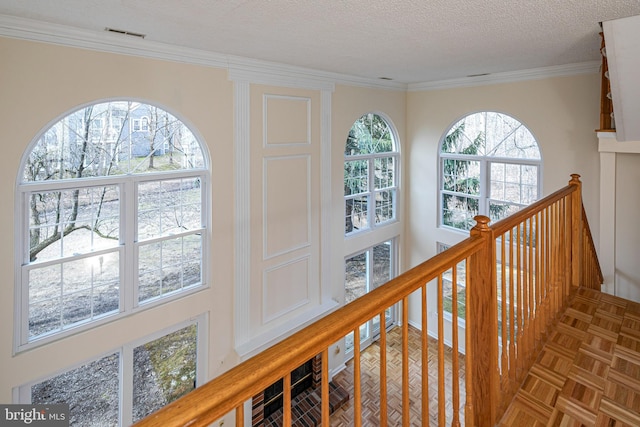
(482, 325)
(576, 231)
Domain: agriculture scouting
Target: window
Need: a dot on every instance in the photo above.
(490, 165)
(107, 226)
(141, 124)
(364, 272)
(370, 174)
(157, 371)
(459, 287)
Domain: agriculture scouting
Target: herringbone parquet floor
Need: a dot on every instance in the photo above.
(370, 377)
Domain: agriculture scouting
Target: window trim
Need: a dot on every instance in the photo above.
(485, 176)
(371, 190)
(394, 248)
(22, 393)
(128, 242)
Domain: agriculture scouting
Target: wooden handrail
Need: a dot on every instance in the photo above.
(228, 391)
(538, 258)
(506, 224)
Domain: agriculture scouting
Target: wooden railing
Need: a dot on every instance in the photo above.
(515, 276)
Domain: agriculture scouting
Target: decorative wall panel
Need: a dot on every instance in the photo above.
(287, 204)
(287, 120)
(279, 296)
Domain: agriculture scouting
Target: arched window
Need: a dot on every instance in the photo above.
(112, 219)
(370, 174)
(370, 194)
(490, 165)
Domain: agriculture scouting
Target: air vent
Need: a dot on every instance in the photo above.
(126, 33)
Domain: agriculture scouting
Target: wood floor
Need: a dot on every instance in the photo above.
(370, 377)
(588, 373)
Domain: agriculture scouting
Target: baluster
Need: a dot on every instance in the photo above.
(548, 267)
(240, 416)
(357, 386)
(286, 404)
(324, 387)
(383, 368)
(504, 307)
(538, 280)
(525, 297)
(455, 380)
(405, 362)
(564, 254)
(469, 409)
(530, 292)
(425, 359)
(441, 374)
(512, 314)
(519, 315)
(554, 261)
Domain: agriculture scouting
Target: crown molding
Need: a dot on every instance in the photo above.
(253, 70)
(260, 72)
(32, 30)
(510, 76)
(240, 68)
(263, 72)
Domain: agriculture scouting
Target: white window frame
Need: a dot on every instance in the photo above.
(393, 267)
(448, 315)
(371, 191)
(484, 197)
(127, 246)
(22, 394)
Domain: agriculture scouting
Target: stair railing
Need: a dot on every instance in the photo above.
(515, 276)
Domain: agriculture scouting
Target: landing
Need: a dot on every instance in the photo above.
(588, 373)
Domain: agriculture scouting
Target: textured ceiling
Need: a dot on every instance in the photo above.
(409, 41)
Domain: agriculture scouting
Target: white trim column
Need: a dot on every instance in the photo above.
(242, 227)
(609, 147)
(607, 252)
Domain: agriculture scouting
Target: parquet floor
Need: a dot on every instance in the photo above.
(588, 373)
(370, 377)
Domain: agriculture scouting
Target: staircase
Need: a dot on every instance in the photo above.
(621, 64)
(588, 373)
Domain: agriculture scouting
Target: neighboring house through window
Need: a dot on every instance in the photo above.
(112, 222)
(107, 226)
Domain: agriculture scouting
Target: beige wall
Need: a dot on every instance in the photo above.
(562, 113)
(41, 82)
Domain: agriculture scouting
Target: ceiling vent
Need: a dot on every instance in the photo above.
(126, 33)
